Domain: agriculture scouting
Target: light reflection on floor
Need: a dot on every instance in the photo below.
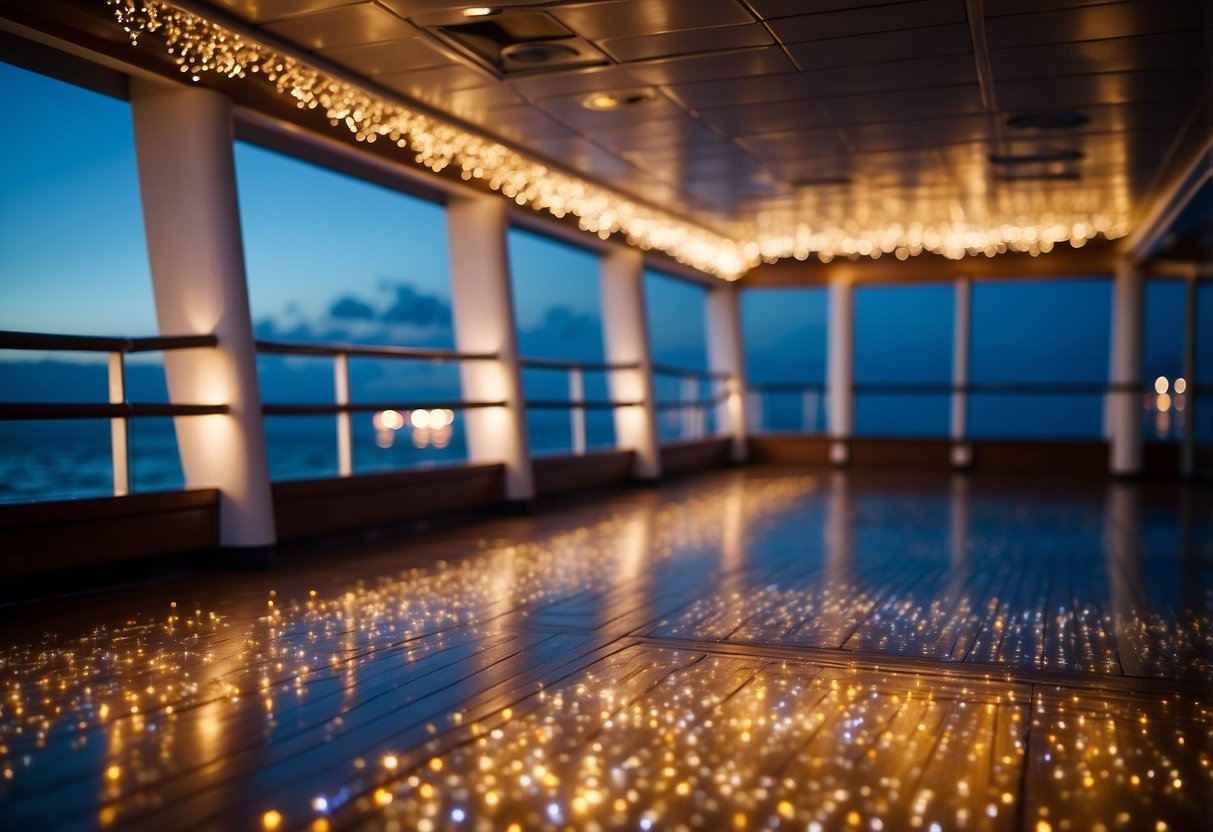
(740, 651)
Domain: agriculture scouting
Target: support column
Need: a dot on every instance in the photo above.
(483, 313)
(187, 179)
(625, 330)
(840, 371)
(962, 454)
(1187, 463)
(1124, 402)
(726, 354)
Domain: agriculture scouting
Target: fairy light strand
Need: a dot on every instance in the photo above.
(1023, 224)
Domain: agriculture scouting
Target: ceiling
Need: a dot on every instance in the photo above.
(807, 124)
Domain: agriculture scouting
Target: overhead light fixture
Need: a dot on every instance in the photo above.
(607, 101)
(481, 11)
(539, 52)
(1049, 120)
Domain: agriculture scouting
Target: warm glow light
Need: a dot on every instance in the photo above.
(1180, 386)
(1161, 384)
(420, 418)
(200, 46)
(1163, 402)
(271, 820)
(1030, 222)
(391, 419)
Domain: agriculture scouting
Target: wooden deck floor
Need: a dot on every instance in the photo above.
(742, 650)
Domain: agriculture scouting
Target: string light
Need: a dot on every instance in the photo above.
(1032, 222)
(202, 47)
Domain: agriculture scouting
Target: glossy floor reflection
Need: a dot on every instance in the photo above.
(742, 650)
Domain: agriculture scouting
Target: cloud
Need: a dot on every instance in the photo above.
(350, 308)
(412, 307)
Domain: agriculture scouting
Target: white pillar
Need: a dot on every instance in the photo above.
(1187, 463)
(726, 354)
(483, 313)
(625, 330)
(961, 330)
(1124, 410)
(840, 370)
(187, 179)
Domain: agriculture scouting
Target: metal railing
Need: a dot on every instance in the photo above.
(342, 407)
(576, 404)
(813, 394)
(118, 410)
(691, 402)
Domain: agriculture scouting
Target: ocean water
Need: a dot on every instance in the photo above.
(71, 460)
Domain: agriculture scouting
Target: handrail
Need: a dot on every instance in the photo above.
(118, 410)
(12, 340)
(589, 366)
(322, 409)
(786, 386)
(371, 351)
(711, 401)
(122, 410)
(943, 387)
(557, 404)
(683, 372)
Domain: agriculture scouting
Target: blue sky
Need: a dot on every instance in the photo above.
(330, 257)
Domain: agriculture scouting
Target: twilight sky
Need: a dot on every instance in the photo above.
(334, 258)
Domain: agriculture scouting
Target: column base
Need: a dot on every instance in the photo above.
(961, 456)
(840, 453)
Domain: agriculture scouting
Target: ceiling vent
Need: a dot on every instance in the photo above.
(1049, 120)
(522, 43)
(1036, 157)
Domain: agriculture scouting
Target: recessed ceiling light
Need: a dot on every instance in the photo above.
(481, 11)
(538, 52)
(606, 101)
(1036, 157)
(1049, 120)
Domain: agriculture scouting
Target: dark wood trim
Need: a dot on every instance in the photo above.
(309, 507)
(788, 449)
(917, 454)
(43, 537)
(694, 455)
(1161, 460)
(1071, 458)
(1095, 259)
(559, 475)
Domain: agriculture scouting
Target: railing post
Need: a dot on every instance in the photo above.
(687, 396)
(577, 414)
(341, 394)
(187, 179)
(808, 411)
(627, 342)
(754, 411)
(962, 455)
(1124, 408)
(119, 436)
(1187, 458)
(840, 370)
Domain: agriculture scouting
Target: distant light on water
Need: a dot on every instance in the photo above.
(1161, 385)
